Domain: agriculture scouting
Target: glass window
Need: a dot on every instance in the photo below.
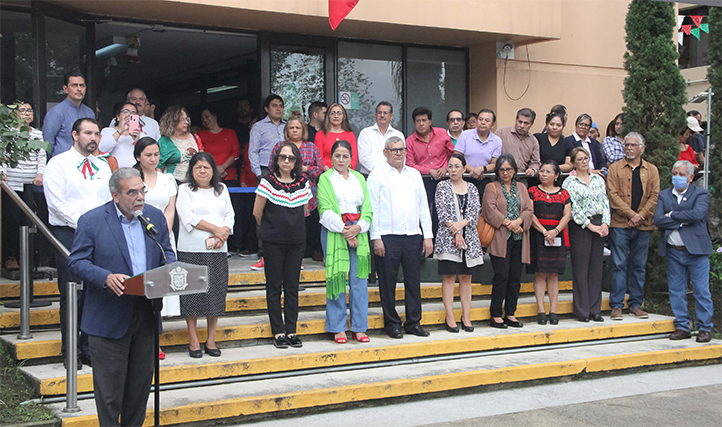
(437, 81)
(64, 52)
(297, 76)
(693, 52)
(16, 57)
(373, 73)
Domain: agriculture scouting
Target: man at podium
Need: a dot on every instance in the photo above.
(110, 246)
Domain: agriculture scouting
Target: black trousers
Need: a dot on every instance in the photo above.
(235, 240)
(404, 251)
(506, 283)
(123, 370)
(587, 250)
(283, 270)
(313, 233)
(65, 235)
(430, 187)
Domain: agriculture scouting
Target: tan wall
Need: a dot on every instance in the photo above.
(695, 74)
(582, 70)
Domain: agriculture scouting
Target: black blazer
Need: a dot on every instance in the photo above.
(597, 152)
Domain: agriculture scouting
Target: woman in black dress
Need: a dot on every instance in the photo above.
(552, 211)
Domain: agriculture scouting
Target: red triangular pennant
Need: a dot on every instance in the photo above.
(697, 19)
(338, 10)
(686, 29)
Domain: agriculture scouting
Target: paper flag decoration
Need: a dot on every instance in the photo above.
(695, 32)
(338, 10)
(680, 38)
(686, 29)
(697, 19)
(705, 28)
(680, 19)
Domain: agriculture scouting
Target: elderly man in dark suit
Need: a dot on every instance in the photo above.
(682, 215)
(109, 247)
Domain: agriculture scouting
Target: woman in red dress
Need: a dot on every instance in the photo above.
(335, 129)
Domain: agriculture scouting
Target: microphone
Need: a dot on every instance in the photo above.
(150, 229)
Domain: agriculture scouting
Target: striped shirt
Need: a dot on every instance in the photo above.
(26, 170)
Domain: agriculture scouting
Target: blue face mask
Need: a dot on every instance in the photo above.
(679, 182)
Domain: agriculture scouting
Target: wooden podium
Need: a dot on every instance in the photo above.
(178, 278)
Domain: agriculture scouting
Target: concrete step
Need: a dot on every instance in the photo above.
(272, 397)
(253, 300)
(178, 367)
(256, 326)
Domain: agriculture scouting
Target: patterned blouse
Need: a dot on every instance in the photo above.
(311, 157)
(613, 149)
(587, 200)
(513, 207)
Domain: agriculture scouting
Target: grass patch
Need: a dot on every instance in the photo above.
(16, 389)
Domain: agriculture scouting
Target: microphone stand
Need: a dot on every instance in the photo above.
(156, 339)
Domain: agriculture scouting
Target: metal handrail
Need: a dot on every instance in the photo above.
(34, 218)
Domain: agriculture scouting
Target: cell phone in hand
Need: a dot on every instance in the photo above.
(133, 123)
(210, 242)
(557, 242)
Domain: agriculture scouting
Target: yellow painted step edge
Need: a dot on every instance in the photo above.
(50, 348)
(173, 374)
(52, 317)
(244, 406)
(12, 290)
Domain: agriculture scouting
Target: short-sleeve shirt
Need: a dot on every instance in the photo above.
(557, 152)
(478, 152)
(283, 221)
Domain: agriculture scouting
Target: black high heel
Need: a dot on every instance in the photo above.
(464, 327)
(494, 324)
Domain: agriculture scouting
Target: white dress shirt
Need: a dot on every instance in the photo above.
(149, 127)
(202, 204)
(398, 200)
(585, 145)
(68, 193)
(370, 146)
(674, 238)
(350, 197)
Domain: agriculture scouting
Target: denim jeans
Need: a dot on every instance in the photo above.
(679, 263)
(336, 316)
(629, 246)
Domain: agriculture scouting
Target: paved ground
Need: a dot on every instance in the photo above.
(676, 397)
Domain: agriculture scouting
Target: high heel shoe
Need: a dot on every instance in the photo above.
(513, 323)
(196, 354)
(365, 338)
(452, 329)
(464, 327)
(340, 340)
(498, 325)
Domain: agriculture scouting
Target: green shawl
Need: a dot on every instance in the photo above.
(337, 253)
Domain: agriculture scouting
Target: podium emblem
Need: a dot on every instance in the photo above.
(178, 278)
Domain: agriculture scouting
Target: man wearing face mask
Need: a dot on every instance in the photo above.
(682, 215)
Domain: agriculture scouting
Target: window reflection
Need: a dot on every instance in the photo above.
(16, 48)
(297, 75)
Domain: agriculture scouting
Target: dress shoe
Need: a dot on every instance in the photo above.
(196, 354)
(553, 319)
(65, 364)
(418, 331)
(281, 342)
(85, 359)
(359, 338)
(213, 352)
(704, 336)
(294, 341)
(498, 325)
(513, 323)
(584, 319)
(466, 328)
(679, 334)
(639, 313)
(542, 318)
(452, 329)
(596, 317)
(616, 313)
(394, 331)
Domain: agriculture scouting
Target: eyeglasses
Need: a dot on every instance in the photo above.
(383, 113)
(454, 167)
(336, 113)
(396, 150)
(506, 170)
(134, 193)
(456, 119)
(341, 156)
(25, 110)
(584, 125)
(127, 112)
(287, 158)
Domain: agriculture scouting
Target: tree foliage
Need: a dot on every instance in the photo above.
(15, 142)
(655, 94)
(714, 75)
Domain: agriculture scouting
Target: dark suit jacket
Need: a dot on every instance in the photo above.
(99, 249)
(692, 211)
(597, 152)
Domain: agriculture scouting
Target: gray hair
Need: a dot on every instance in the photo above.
(637, 135)
(121, 174)
(685, 163)
(127, 97)
(393, 140)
